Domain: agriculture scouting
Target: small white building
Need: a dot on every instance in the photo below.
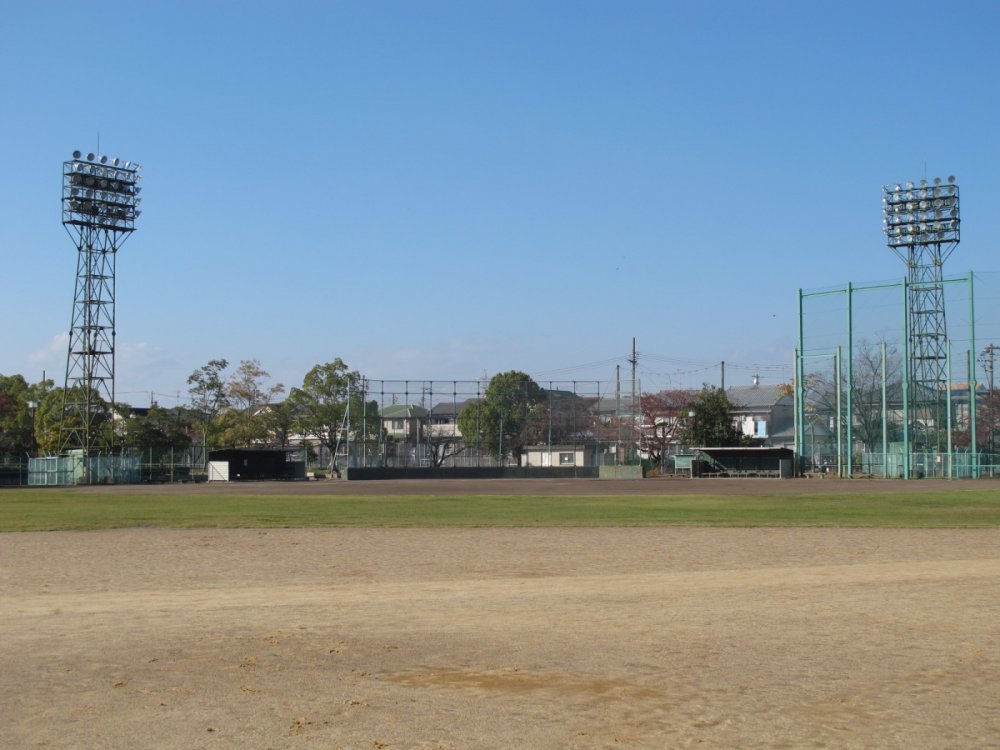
(565, 456)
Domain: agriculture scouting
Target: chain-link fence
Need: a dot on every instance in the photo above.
(864, 404)
(417, 424)
(462, 424)
(13, 470)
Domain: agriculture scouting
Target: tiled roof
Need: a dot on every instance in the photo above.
(404, 411)
(450, 408)
(755, 396)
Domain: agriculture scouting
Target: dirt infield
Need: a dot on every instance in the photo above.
(500, 638)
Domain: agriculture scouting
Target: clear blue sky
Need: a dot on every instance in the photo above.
(438, 190)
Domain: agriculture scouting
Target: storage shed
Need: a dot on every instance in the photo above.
(255, 464)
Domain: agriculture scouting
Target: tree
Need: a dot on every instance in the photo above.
(245, 422)
(709, 422)
(987, 405)
(208, 395)
(48, 419)
(564, 417)
(824, 413)
(322, 402)
(159, 433)
(443, 442)
(280, 420)
(52, 421)
(503, 419)
(16, 435)
(663, 415)
(866, 391)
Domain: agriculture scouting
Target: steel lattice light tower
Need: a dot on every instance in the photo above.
(99, 209)
(921, 223)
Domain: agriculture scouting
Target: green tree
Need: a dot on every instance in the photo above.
(246, 421)
(508, 417)
(280, 420)
(709, 421)
(322, 402)
(208, 396)
(159, 433)
(48, 419)
(58, 426)
(16, 435)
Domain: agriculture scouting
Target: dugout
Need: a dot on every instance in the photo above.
(746, 462)
(256, 464)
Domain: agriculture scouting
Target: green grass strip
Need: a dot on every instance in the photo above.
(49, 509)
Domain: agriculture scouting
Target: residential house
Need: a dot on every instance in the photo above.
(404, 422)
(764, 413)
(444, 418)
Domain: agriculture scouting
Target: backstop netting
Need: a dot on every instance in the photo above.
(862, 409)
(450, 423)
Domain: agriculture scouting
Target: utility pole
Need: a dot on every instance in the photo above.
(633, 361)
(986, 359)
(618, 412)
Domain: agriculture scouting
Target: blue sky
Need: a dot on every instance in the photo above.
(438, 190)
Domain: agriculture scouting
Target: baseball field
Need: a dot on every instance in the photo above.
(506, 613)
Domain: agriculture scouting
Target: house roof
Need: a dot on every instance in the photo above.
(450, 408)
(404, 411)
(621, 405)
(556, 447)
(756, 396)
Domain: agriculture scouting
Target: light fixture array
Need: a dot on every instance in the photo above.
(922, 214)
(101, 192)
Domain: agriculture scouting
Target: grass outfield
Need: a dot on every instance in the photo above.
(52, 509)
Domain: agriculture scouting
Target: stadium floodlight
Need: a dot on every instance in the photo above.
(912, 211)
(921, 226)
(99, 211)
(111, 195)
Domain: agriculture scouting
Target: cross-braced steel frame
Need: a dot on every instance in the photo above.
(928, 340)
(922, 229)
(99, 210)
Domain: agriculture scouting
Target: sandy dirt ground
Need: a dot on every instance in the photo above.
(500, 638)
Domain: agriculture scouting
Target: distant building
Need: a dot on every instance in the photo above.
(559, 455)
(444, 417)
(404, 422)
(764, 413)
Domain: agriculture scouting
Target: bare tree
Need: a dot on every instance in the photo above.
(662, 420)
(866, 390)
(442, 444)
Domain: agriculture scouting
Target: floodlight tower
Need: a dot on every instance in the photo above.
(100, 200)
(921, 224)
